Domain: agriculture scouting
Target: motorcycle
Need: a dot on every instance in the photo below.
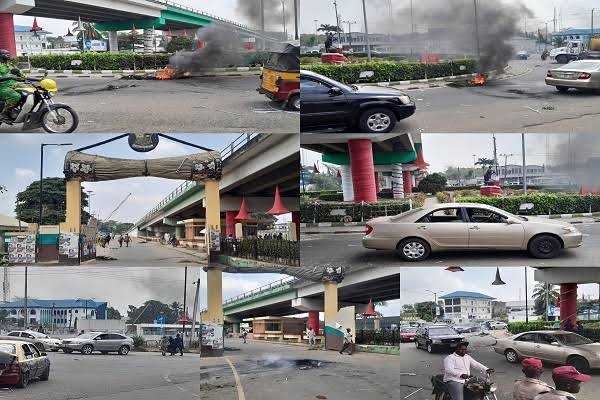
(475, 388)
(37, 109)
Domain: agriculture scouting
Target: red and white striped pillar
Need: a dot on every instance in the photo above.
(363, 170)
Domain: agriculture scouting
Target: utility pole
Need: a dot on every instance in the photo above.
(554, 20)
(524, 163)
(296, 33)
(337, 21)
(184, 302)
(592, 28)
(368, 41)
(6, 286)
(495, 153)
(349, 34)
(195, 311)
(283, 18)
(412, 29)
(506, 164)
(261, 21)
(526, 298)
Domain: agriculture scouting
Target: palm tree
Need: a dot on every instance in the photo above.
(543, 295)
(329, 28)
(485, 162)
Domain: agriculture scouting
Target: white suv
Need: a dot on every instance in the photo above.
(48, 342)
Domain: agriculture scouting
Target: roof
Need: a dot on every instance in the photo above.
(23, 29)
(65, 303)
(5, 220)
(467, 295)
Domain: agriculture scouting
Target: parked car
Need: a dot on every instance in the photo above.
(408, 334)
(580, 74)
(326, 103)
(558, 347)
(49, 343)
(466, 328)
(496, 325)
(22, 362)
(523, 55)
(437, 337)
(104, 343)
(466, 226)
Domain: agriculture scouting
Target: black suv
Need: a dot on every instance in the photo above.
(326, 103)
(437, 337)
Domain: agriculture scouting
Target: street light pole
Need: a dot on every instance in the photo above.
(524, 163)
(296, 33)
(526, 298)
(184, 303)
(283, 17)
(592, 28)
(412, 29)
(337, 21)
(368, 41)
(477, 46)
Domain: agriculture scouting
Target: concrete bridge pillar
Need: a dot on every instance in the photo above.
(113, 41)
(179, 231)
(363, 170)
(407, 181)
(568, 305)
(313, 320)
(7, 33)
(239, 230)
(330, 292)
(149, 40)
(347, 188)
(397, 183)
(230, 223)
(72, 222)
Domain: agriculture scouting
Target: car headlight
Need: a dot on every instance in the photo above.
(436, 341)
(570, 229)
(404, 99)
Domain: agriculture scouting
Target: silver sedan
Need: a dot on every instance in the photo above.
(581, 74)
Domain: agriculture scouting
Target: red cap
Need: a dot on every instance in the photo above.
(532, 363)
(568, 372)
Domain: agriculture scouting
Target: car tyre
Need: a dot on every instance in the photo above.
(511, 356)
(413, 249)
(544, 246)
(124, 350)
(417, 344)
(562, 89)
(24, 381)
(580, 363)
(45, 375)
(294, 102)
(430, 348)
(87, 349)
(377, 120)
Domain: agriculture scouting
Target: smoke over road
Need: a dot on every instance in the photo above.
(578, 156)
(273, 12)
(453, 22)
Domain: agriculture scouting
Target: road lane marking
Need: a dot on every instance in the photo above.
(238, 382)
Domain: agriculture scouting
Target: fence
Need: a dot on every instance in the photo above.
(312, 211)
(382, 337)
(279, 251)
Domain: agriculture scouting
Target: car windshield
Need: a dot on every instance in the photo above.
(7, 348)
(571, 339)
(444, 330)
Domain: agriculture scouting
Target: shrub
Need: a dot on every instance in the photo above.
(100, 61)
(312, 210)
(180, 43)
(139, 341)
(544, 203)
(385, 71)
(331, 196)
(519, 327)
(432, 183)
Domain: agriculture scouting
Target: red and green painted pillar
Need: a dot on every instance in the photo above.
(568, 304)
(7, 33)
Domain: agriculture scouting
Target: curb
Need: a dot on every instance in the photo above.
(568, 216)
(439, 79)
(121, 72)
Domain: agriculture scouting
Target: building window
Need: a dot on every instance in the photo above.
(456, 309)
(273, 326)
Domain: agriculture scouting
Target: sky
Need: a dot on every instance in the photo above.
(442, 150)
(575, 13)
(413, 288)
(227, 9)
(20, 163)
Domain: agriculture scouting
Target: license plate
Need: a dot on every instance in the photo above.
(565, 75)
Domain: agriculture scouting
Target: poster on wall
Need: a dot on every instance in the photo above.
(68, 245)
(212, 336)
(21, 249)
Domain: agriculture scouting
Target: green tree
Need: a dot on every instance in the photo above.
(485, 162)
(3, 315)
(128, 40)
(115, 226)
(426, 310)
(150, 311)
(325, 182)
(432, 183)
(178, 43)
(541, 293)
(329, 28)
(53, 202)
(113, 313)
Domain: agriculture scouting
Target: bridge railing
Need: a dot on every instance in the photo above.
(238, 145)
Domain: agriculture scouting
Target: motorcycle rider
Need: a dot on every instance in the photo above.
(457, 369)
(531, 385)
(9, 79)
(568, 381)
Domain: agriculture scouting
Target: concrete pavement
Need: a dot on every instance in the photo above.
(145, 254)
(346, 250)
(265, 371)
(417, 367)
(203, 104)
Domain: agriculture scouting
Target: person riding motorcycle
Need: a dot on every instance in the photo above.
(530, 386)
(9, 79)
(457, 369)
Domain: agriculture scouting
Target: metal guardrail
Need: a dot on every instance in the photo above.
(254, 30)
(227, 152)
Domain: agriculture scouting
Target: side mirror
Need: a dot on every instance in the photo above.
(335, 91)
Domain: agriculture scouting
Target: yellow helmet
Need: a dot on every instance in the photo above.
(49, 85)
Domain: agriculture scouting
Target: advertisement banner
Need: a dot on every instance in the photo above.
(95, 45)
(212, 336)
(21, 249)
(68, 245)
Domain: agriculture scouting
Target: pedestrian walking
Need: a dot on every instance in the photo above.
(348, 344)
(568, 382)
(179, 344)
(244, 334)
(127, 239)
(310, 333)
(120, 240)
(531, 385)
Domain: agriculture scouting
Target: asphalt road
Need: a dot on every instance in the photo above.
(143, 255)
(417, 367)
(266, 372)
(346, 250)
(202, 104)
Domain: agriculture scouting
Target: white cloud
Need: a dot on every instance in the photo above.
(24, 173)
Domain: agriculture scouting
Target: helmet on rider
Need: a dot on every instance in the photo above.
(5, 55)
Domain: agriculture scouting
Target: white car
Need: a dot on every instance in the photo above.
(497, 325)
(51, 344)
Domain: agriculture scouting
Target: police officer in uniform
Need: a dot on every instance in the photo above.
(530, 386)
(568, 381)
